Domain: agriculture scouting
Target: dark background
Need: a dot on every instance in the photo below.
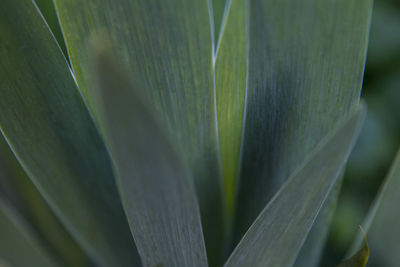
(380, 137)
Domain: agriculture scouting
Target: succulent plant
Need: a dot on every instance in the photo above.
(179, 132)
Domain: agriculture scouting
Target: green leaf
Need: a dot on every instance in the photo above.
(381, 223)
(52, 134)
(218, 14)
(230, 72)
(156, 188)
(306, 62)
(168, 49)
(18, 246)
(311, 252)
(360, 258)
(48, 11)
(17, 189)
(278, 233)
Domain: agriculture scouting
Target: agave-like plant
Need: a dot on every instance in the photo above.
(179, 132)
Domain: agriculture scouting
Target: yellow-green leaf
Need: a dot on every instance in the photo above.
(381, 223)
(230, 72)
(359, 259)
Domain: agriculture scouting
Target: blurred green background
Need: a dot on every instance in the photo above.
(380, 137)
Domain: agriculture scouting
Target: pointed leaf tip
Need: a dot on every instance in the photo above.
(381, 222)
(359, 259)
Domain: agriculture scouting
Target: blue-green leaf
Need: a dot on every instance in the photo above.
(167, 47)
(312, 250)
(51, 132)
(306, 62)
(278, 233)
(156, 188)
(18, 245)
(381, 223)
(20, 194)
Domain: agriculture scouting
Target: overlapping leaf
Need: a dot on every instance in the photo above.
(218, 7)
(18, 192)
(312, 250)
(306, 61)
(297, 59)
(360, 258)
(281, 85)
(167, 47)
(381, 223)
(48, 11)
(18, 246)
(277, 235)
(156, 188)
(230, 72)
(54, 138)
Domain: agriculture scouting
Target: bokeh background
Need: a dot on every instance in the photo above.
(380, 137)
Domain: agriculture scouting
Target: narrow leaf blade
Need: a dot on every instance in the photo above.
(218, 12)
(306, 65)
(230, 72)
(21, 195)
(381, 223)
(168, 48)
(277, 235)
(156, 189)
(18, 246)
(53, 136)
(359, 259)
(312, 250)
(49, 13)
